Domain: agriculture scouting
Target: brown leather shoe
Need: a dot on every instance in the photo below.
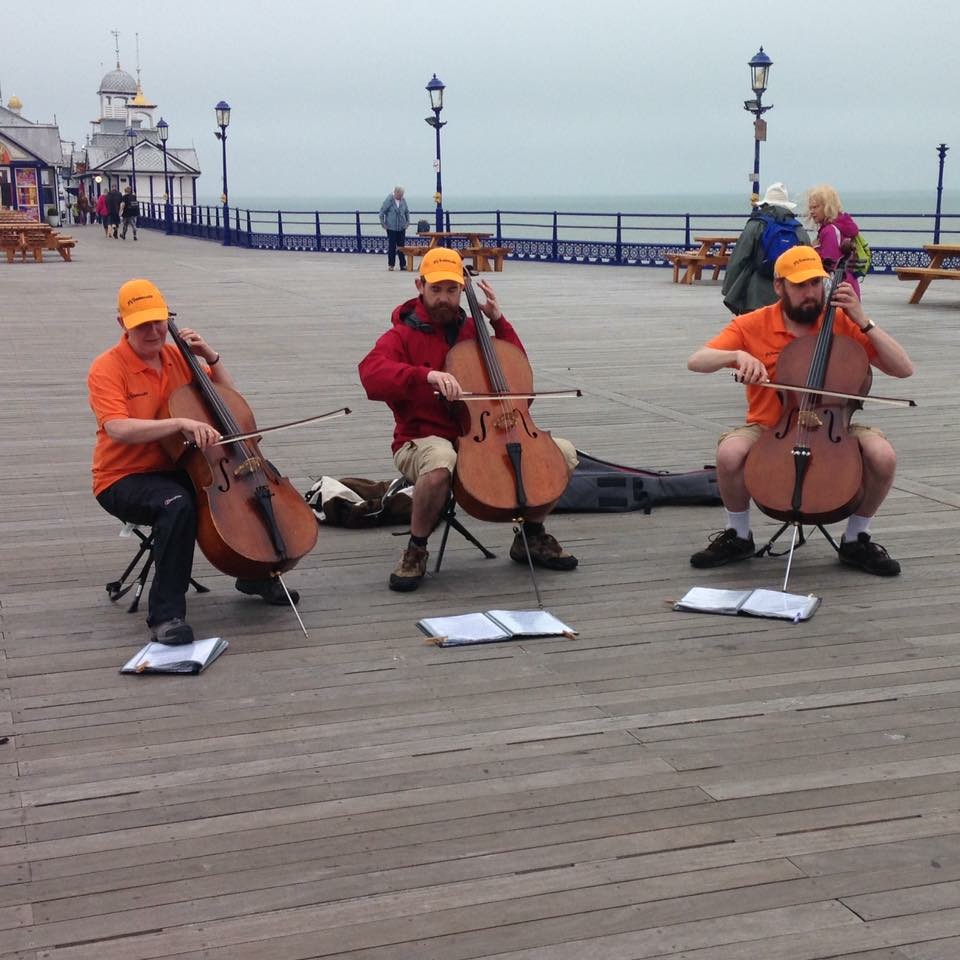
(544, 552)
(411, 569)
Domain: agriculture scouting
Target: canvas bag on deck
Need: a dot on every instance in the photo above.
(600, 486)
(778, 237)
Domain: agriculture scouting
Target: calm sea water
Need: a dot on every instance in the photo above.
(893, 218)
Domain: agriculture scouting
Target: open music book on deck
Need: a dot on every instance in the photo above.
(755, 603)
(493, 626)
(187, 658)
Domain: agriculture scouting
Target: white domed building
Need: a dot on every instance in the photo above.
(125, 149)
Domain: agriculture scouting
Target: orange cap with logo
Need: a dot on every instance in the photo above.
(441, 263)
(139, 301)
(799, 264)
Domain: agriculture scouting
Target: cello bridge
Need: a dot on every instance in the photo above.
(506, 421)
(809, 419)
(250, 465)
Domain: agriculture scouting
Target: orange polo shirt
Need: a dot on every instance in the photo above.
(762, 334)
(123, 387)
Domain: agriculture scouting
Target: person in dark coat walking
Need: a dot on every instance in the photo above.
(114, 200)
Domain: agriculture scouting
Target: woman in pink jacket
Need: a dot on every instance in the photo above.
(101, 210)
(836, 230)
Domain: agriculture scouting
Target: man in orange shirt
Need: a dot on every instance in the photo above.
(133, 477)
(751, 344)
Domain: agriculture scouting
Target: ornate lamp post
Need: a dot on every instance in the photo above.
(759, 74)
(223, 121)
(435, 88)
(132, 137)
(163, 132)
(942, 154)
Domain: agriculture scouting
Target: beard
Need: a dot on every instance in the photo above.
(442, 315)
(804, 313)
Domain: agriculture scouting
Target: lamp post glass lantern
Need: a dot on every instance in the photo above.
(435, 89)
(132, 137)
(163, 132)
(222, 110)
(759, 65)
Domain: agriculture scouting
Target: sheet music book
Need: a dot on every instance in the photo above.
(191, 658)
(755, 603)
(493, 626)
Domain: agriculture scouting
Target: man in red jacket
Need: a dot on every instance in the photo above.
(405, 369)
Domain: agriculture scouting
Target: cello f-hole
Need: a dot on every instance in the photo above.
(480, 437)
(222, 465)
(533, 434)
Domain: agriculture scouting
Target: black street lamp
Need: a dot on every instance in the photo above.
(942, 154)
(759, 74)
(223, 121)
(132, 137)
(163, 132)
(435, 88)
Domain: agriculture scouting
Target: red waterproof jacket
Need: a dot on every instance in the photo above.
(395, 371)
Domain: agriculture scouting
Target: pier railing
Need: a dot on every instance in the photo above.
(624, 239)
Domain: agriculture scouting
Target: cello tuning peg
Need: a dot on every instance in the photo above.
(473, 271)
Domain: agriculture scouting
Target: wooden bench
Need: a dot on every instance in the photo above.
(411, 252)
(693, 263)
(11, 243)
(482, 256)
(925, 276)
(61, 244)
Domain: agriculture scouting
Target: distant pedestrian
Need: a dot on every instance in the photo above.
(114, 201)
(395, 218)
(83, 208)
(129, 210)
(837, 230)
(748, 283)
(101, 209)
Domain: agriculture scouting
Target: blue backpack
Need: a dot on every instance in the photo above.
(778, 236)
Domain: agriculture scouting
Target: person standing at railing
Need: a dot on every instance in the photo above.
(772, 227)
(395, 218)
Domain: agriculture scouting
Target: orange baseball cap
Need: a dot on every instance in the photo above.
(799, 264)
(139, 301)
(441, 263)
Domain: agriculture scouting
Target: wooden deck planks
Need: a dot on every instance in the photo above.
(665, 784)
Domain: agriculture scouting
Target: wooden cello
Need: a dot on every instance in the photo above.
(808, 468)
(507, 467)
(251, 521)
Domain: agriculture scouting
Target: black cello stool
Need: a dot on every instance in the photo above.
(117, 588)
(767, 548)
(448, 517)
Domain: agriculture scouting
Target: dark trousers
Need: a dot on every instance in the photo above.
(396, 238)
(165, 502)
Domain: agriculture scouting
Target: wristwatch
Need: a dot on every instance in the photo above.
(870, 325)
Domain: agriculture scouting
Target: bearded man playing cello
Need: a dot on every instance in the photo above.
(751, 345)
(133, 477)
(405, 369)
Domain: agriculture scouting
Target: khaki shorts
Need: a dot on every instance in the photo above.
(436, 453)
(753, 432)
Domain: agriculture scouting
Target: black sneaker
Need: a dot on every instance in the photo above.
(725, 547)
(868, 556)
(545, 551)
(270, 589)
(173, 633)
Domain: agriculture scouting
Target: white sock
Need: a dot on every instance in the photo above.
(855, 526)
(739, 521)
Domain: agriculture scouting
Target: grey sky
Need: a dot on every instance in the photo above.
(552, 99)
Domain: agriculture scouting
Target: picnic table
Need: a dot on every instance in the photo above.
(33, 237)
(475, 249)
(938, 252)
(714, 252)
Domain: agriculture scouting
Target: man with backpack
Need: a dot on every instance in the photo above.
(771, 230)
(129, 211)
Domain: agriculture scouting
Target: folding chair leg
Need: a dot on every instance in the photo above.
(449, 518)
